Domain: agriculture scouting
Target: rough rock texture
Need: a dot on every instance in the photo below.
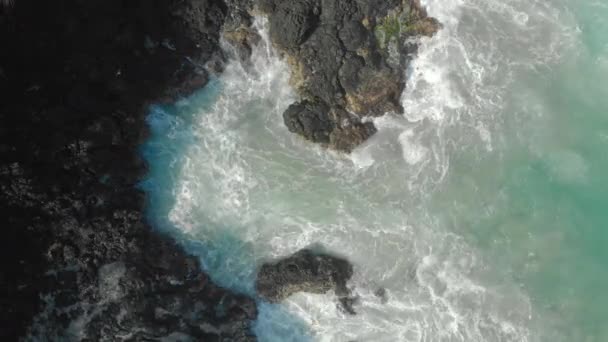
(76, 77)
(348, 61)
(306, 271)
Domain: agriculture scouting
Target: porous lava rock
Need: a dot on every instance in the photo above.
(348, 60)
(306, 271)
(79, 262)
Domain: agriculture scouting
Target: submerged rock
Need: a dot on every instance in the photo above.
(346, 56)
(306, 271)
(382, 294)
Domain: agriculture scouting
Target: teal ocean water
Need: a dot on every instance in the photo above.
(480, 210)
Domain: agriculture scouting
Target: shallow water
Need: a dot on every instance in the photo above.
(480, 210)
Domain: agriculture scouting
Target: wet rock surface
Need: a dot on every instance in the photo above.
(238, 31)
(348, 60)
(78, 260)
(319, 123)
(306, 271)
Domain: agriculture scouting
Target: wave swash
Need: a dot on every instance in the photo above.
(247, 190)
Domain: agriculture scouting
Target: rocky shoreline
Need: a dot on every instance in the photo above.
(79, 261)
(77, 77)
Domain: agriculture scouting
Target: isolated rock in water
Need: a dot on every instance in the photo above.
(306, 271)
(348, 56)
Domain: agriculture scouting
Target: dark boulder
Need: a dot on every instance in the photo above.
(310, 120)
(292, 21)
(306, 271)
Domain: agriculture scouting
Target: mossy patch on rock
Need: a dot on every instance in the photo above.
(410, 19)
(388, 28)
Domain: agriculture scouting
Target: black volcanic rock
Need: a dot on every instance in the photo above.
(78, 259)
(309, 119)
(347, 55)
(306, 271)
(293, 21)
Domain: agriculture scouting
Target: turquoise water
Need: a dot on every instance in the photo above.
(171, 134)
(540, 200)
(480, 210)
(544, 216)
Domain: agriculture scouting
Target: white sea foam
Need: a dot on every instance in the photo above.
(252, 190)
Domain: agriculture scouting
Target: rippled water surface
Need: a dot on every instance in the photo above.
(481, 210)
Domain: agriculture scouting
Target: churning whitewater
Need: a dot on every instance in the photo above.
(239, 189)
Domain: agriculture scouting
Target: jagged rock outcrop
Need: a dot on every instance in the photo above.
(306, 271)
(348, 61)
(78, 259)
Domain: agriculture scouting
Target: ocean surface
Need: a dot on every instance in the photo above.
(482, 210)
